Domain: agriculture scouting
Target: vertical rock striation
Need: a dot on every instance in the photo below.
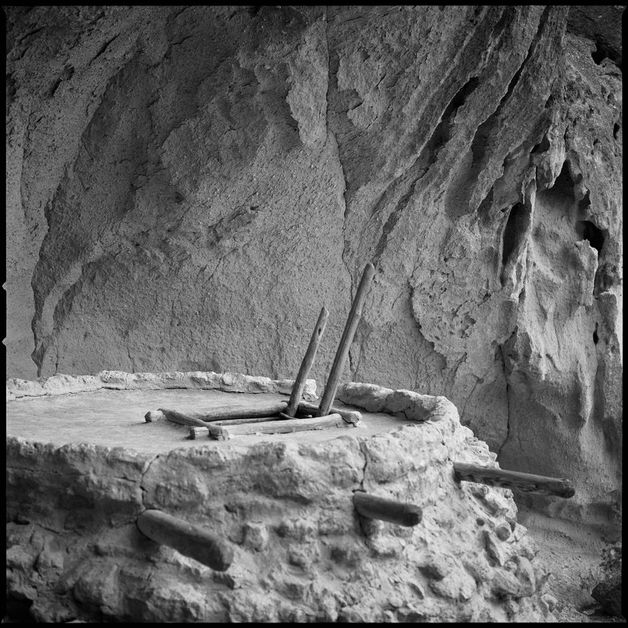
(187, 185)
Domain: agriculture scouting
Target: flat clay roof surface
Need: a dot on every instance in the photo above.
(115, 418)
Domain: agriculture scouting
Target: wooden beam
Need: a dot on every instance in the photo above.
(290, 425)
(306, 364)
(197, 432)
(203, 432)
(284, 426)
(243, 410)
(154, 415)
(350, 416)
(188, 539)
(228, 422)
(526, 482)
(215, 432)
(345, 342)
(374, 507)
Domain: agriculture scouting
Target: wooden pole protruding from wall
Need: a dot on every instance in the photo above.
(374, 507)
(526, 482)
(345, 341)
(306, 364)
(188, 539)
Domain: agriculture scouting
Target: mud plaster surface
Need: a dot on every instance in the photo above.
(115, 418)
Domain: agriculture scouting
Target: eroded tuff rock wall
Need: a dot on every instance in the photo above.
(188, 185)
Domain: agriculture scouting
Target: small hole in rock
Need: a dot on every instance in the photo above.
(542, 147)
(616, 128)
(596, 338)
(588, 231)
(598, 54)
(514, 232)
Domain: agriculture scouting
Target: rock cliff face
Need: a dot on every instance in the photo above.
(186, 186)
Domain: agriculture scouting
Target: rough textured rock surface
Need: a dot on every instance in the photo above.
(301, 551)
(186, 186)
